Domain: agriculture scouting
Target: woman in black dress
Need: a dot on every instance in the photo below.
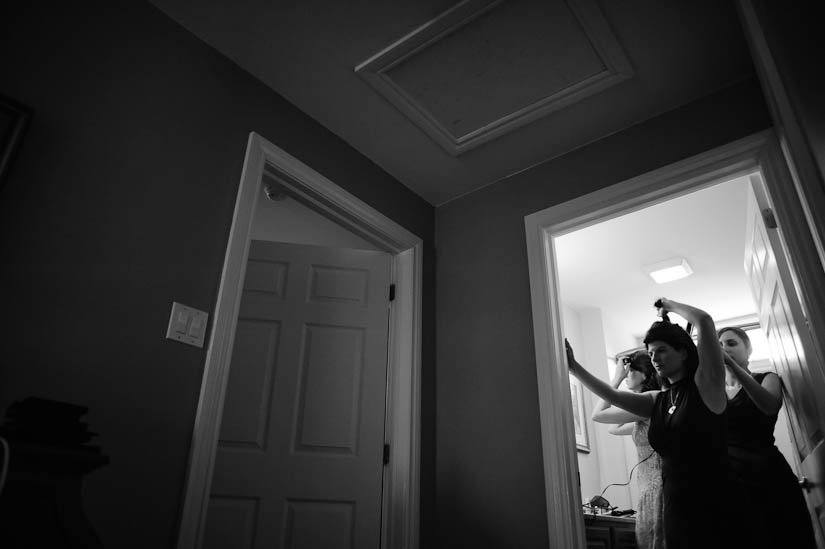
(687, 428)
(758, 467)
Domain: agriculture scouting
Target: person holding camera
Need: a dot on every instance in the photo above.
(688, 428)
(637, 371)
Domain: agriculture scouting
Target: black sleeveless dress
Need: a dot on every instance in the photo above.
(774, 498)
(699, 506)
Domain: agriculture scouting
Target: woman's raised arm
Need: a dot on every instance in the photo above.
(605, 413)
(767, 396)
(640, 404)
(710, 373)
(624, 429)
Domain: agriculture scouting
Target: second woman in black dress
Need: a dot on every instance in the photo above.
(758, 467)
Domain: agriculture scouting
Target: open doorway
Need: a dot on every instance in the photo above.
(606, 296)
(787, 307)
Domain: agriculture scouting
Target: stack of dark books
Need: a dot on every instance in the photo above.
(42, 421)
(34, 423)
(48, 455)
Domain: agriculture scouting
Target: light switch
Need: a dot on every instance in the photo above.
(195, 327)
(187, 325)
(181, 319)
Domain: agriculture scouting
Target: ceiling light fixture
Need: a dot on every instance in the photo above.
(669, 270)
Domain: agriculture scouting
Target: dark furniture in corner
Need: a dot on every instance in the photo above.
(48, 456)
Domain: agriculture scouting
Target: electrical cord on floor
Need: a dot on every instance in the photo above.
(628, 478)
(6, 459)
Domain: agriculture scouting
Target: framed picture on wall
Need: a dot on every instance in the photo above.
(579, 420)
(14, 118)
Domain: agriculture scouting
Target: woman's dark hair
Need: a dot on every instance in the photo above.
(675, 336)
(640, 361)
(743, 335)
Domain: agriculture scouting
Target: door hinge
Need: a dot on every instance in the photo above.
(769, 218)
(386, 454)
(392, 292)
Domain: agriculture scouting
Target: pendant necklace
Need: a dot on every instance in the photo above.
(672, 401)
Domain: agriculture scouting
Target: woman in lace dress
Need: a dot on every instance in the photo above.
(638, 372)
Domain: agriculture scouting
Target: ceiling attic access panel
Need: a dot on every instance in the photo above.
(484, 68)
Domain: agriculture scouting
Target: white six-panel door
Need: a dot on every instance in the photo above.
(299, 461)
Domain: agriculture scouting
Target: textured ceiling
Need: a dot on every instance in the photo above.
(451, 96)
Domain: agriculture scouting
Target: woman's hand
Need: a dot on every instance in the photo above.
(571, 359)
(621, 372)
(662, 306)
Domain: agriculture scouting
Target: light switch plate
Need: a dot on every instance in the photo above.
(187, 325)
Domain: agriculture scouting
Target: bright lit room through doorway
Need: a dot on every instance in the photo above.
(607, 294)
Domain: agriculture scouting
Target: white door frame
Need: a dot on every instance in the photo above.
(758, 153)
(796, 146)
(400, 515)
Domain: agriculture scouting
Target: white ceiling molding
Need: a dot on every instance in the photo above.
(445, 75)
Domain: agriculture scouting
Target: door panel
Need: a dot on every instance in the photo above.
(231, 522)
(246, 409)
(299, 461)
(329, 394)
(303, 518)
(792, 350)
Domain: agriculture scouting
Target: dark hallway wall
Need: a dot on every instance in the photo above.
(120, 202)
(489, 462)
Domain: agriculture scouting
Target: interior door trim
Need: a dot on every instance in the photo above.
(400, 516)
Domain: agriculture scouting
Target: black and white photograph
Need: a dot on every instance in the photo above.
(431, 274)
